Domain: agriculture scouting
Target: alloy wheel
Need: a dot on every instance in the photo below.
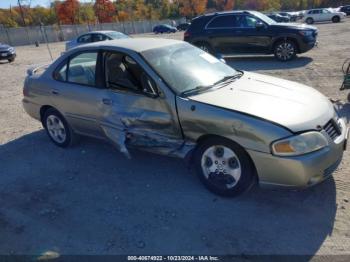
(221, 166)
(56, 129)
(285, 51)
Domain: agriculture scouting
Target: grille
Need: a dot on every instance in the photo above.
(333, 129)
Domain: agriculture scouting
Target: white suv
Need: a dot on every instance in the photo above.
(323, 14)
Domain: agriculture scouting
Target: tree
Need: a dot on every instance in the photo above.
(67, 11)
(105, 11)
(87, 13)
(224, 4)
(192, 8)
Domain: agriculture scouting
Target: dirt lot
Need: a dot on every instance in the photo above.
(91, 200)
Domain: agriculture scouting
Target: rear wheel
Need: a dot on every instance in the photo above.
(336, 19)
(309, 21)
(224, 167)
(285, 50)
(57, 128)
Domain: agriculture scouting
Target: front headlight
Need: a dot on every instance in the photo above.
(306, 33)
(11, 50)
(299, 144)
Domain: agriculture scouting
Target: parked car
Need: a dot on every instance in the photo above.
(345, 9)
(7, 52)
(323, 15)
(160, 29)
(169, 97)
(291, 15)
(94, 36)
(183, 26)
(279, 18)
(239, 32)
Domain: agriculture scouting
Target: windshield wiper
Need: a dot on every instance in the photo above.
(224, 80)
(197, 89)
(228, 79)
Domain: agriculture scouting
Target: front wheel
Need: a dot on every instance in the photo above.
(57, 128)
(11, 60)
(224, 167)
(309, 21)
(336, 19)
(285, 50)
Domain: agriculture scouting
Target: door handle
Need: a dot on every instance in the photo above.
(55, 92)
(107, 101)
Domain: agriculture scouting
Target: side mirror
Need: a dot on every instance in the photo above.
(221, 58)
(149, 87)
(259, 25)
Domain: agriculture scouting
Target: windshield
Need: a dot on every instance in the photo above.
(116, 35)
(264, 18)
(185, 67)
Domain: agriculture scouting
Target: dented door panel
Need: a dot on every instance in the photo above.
(143, 122)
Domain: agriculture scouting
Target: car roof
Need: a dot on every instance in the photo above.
(99, 32)
(135, 44)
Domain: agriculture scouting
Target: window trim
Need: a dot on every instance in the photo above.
(67, 61)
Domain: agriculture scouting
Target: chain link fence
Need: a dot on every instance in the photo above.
(55, 33)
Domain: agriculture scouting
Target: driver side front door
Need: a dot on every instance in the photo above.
(134, 111)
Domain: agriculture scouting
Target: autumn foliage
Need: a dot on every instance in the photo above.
(67, 11)
(105, 11)
(191, 8)
(222, 5)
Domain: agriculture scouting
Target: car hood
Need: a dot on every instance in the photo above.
(292, 105)
(294, 26)
(4, 47)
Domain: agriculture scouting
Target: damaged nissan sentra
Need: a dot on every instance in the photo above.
(171, 98)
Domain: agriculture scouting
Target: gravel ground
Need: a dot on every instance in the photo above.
(91, 200)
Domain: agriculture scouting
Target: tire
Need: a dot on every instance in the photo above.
(285, 50)
(228, 175)
(57, 128)
(335, 19)
(309, 20)
(205, 47)
(11, 60)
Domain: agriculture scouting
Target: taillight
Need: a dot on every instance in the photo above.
(25, 88)
(187, 34)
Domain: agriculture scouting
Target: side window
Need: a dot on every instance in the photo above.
(223, 21)
(248, 21)
(124, 73)
(98, 37)
(85, 39)
(82, 69)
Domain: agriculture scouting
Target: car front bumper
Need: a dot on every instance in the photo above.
(300, 171)
(7, 56)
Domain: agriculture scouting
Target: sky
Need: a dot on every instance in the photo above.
(7, 3)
